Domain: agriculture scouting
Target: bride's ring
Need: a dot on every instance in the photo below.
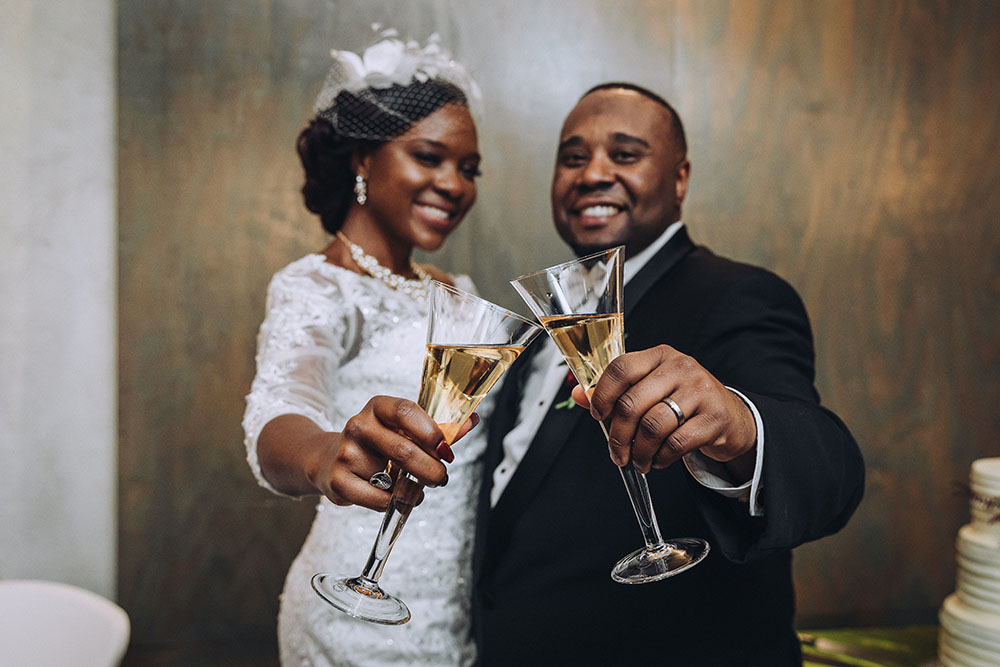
(381, 480)
(672, 404)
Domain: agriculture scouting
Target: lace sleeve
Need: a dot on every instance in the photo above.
(307, 327)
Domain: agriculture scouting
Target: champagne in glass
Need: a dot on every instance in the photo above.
(459, 376)
(580, 305)
(470, 344)
(592, 340)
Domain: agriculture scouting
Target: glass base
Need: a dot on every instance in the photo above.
(361, 599)
(645, 566)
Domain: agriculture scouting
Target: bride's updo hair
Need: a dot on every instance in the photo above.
(360, 121)
(367, 100)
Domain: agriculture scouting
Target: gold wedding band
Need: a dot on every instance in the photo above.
(672, 404)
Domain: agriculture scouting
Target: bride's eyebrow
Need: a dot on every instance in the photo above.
(434, 143)
(431, 144)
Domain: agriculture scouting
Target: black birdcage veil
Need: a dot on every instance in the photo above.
(391, 86)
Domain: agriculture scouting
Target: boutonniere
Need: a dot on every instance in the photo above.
(568, 381)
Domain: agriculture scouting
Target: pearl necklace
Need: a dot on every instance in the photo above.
(408, 286)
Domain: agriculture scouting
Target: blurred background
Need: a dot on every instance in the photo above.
(149, 188)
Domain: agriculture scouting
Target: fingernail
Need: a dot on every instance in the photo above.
(475, 420)
(444, 482)
(444, 451)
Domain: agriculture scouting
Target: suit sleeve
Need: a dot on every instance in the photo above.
(813, 473)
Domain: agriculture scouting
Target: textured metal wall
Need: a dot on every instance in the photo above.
(849, 146)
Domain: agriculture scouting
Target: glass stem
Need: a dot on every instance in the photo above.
(404, 493)
(642, 503)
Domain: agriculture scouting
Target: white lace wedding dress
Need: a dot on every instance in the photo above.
(331, 339)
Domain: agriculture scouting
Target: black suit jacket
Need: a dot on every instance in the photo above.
(543, 591)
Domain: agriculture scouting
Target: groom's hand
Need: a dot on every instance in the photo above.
(635, 393)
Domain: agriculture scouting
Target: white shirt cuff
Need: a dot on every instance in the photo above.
(713, 475)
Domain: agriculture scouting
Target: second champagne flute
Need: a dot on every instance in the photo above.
(470, 344)
(580, 305)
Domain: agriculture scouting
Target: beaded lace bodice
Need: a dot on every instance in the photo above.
(331, 339)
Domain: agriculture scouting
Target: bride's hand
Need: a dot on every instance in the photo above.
(386, 429)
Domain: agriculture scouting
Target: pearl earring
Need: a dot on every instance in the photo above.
(360, 189)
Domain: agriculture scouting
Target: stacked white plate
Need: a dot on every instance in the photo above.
(987, 469)
(970, 618)
(978, 558)
(969, 637)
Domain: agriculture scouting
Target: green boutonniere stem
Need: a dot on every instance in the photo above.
(568, 404)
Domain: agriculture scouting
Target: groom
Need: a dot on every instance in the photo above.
(715, 399)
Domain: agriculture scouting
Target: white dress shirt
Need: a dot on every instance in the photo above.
(547, 375)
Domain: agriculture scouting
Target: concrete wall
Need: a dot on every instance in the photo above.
(57, 293)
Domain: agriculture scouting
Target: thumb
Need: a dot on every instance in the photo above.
(580, 397)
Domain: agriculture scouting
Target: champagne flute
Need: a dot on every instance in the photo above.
(470, 344)
(580, 305)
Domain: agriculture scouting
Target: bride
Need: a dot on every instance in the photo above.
(391, 160)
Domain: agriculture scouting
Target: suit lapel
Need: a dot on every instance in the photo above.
(655, 268)
(541, 455)
(500, 423)
(506, 407)
(499, 522)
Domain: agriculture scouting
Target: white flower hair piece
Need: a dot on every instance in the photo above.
(390, 61)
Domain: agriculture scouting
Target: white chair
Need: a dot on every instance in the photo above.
(44, 623)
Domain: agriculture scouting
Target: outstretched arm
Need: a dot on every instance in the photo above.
(297, 457)
(756, 340)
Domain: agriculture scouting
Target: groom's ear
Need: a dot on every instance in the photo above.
(681, 179)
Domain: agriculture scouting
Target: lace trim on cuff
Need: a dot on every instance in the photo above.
(255, 421)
